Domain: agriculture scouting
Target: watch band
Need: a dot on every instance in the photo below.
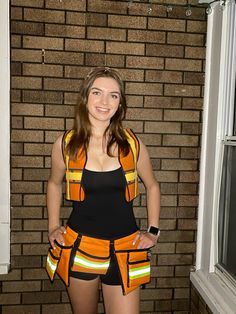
(153, 230)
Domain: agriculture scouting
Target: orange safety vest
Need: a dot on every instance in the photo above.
(74, 169)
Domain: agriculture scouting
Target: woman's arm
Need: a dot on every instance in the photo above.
(54, 193)
(146, 174)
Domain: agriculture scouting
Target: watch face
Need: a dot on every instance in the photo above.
(153, 230)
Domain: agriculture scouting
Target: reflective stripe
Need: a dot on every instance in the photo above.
(76, 176)
(89, 264)
(131, 176)
(134, 150)
(51, 265)
(139, 272)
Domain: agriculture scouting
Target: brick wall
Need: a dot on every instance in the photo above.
(198, 305)
(161, 57)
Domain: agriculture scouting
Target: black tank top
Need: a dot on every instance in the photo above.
(104, 212)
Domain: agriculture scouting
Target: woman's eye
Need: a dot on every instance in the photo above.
(114, 96)
(95, 93)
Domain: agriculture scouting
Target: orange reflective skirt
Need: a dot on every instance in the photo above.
(92, 255)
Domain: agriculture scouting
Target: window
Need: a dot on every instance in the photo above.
(227, 212)
(4, 138)
(215, 274)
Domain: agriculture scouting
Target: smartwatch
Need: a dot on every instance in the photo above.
(153, 230)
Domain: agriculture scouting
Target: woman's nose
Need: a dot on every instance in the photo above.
(104, 99)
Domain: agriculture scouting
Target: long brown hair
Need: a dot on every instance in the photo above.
(82, 125)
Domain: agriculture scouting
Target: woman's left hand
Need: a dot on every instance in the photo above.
(145, 240)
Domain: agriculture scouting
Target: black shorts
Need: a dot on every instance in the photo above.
(111, 278)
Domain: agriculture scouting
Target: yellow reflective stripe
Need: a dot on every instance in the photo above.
(76, 176)
(86, 263)
(51, 265)
(139, 272)
(67, 184)
(131, 176)
(133, 148)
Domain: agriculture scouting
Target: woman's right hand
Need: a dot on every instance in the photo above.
(57, 234)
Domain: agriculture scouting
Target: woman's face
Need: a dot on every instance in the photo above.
(103, 99)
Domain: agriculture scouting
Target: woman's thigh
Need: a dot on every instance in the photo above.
(115, 302)
(83, 295)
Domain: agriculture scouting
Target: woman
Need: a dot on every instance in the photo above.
(102, 162)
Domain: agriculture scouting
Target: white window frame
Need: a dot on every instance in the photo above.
(5, 137)
(218, 291)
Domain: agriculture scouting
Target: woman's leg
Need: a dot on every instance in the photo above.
(83, 295)
(115, 302)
